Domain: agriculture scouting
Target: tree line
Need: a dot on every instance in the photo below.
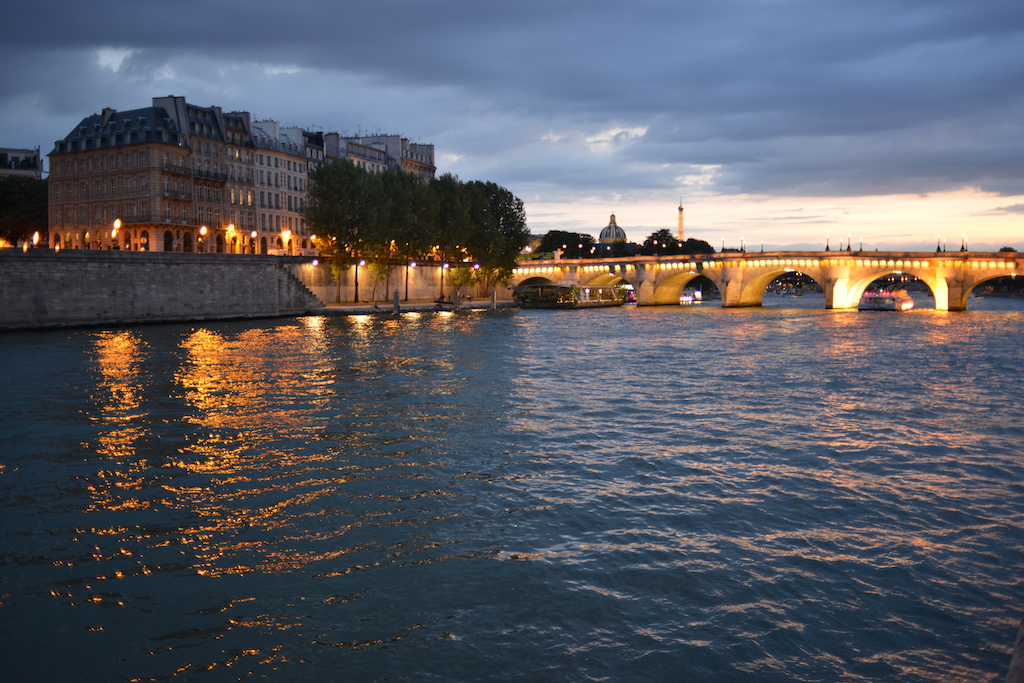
(581, 245)
(23, 202)
(393, 218)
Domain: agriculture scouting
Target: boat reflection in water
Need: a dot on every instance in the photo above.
(571, 296)
(886, 300)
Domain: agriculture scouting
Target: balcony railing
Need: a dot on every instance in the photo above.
(210, 175)
(173, 168)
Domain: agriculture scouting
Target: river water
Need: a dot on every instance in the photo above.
(648, 494)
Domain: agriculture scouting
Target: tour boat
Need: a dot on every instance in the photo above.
(569, 296)
(886, 300)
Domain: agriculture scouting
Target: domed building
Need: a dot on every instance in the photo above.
(612, 234)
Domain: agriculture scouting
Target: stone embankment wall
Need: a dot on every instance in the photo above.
(427, 281)
(40, 288)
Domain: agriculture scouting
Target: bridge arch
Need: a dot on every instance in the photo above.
(537, 280)
(671, 288)
(966, 292)
(753, 290)
(606, 279)
(855, 290)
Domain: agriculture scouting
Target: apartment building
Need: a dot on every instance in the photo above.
(282, 169)
(179, 177)
(364, 156)
(401, 153)
(20, 162)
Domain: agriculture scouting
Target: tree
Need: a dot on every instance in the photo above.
(499, 231)
(23, 208)
(342, 209)
(660, 243)
(692, 246)
(393, 217)
(555, 239)
(452, 222)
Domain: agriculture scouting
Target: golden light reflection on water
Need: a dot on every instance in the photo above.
(120, 359)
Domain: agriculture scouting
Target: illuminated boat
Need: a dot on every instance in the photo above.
(886, 300)
(570, 296)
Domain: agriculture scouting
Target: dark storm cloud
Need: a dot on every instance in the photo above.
(782, 97)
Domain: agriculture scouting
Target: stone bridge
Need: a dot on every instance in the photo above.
(741, 277)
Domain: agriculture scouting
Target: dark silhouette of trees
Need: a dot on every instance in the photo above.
(23, 208)
(393, 218)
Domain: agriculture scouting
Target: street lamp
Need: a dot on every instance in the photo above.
(231, 236)
(362, 262)
(202, 238)
(113, 233)
(411, 264)
(252, 241)
(444, 267)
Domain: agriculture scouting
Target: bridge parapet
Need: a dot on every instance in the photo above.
(741, 277)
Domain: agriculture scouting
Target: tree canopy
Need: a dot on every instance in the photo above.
(23, 202)
(663, 242)
(568, 242)
(393, 217)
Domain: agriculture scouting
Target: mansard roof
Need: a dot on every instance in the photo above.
(112, 128)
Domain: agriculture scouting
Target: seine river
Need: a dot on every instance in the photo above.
(633, 494)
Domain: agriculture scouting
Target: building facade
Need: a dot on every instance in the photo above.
(179, 177)
(20, 162)
(401, 154)
(282, 169)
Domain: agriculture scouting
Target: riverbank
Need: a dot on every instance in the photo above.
(383, 308)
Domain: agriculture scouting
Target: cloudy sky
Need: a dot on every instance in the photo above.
(774, 121)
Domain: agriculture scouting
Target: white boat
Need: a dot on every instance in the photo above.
(886, 300)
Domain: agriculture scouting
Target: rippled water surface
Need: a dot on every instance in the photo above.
(777, 494)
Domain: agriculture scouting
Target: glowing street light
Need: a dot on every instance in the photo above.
(411, 264)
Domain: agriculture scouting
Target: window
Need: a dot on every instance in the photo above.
(83, 191)
(113, 187)
(127, 160)
(70, 191)
(142, 159)
(142, 184)
(98, 189)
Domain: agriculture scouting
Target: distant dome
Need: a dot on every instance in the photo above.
(613, 233)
